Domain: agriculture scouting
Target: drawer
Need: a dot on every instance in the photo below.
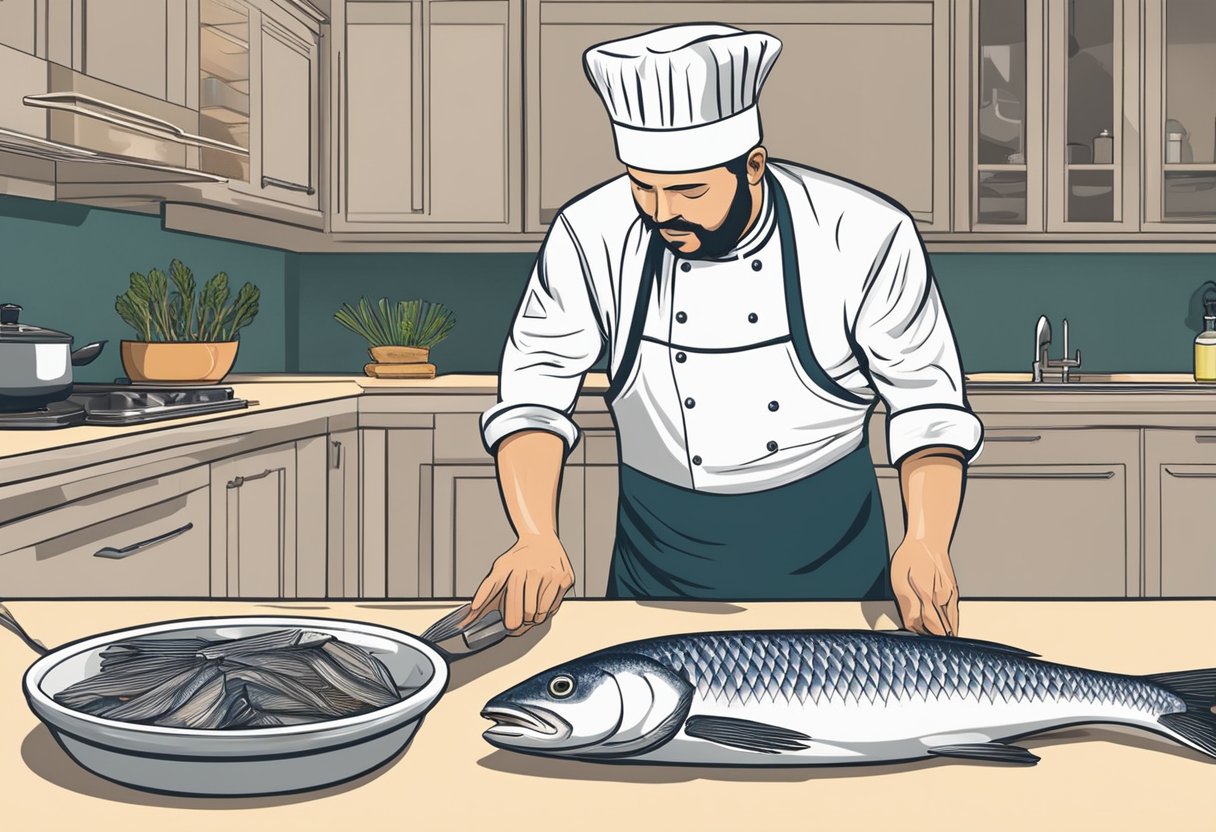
(55, 554)
(1032, 445)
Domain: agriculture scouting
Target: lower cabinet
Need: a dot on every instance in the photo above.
(148, 539)
(1045, 513)
(342, 515)
(253, 524)
(1180, 492)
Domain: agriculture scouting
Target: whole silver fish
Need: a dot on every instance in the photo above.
(829, 697)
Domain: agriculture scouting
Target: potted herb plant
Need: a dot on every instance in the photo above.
(400, 334)
(183, 336)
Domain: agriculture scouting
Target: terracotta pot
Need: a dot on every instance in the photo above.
(400, 355)
(178, 361)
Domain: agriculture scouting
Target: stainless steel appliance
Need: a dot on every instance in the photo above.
(124, 404)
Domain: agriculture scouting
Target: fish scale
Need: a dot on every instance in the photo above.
(826, 666)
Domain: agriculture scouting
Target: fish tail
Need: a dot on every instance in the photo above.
(1197, 724)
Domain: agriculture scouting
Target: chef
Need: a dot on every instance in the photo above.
(754, 312)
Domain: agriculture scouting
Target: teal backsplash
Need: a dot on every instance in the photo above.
(65, 264)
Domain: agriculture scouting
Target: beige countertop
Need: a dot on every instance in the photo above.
(450, 778)
(285, 391)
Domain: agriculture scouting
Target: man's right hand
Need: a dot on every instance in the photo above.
(527, 584)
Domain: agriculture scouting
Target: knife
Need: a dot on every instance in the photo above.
(457, 642)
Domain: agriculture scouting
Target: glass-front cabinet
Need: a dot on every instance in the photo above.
(1180, 115)
(1006, 170)
(1054, 137)
(1093, 140)
(223, 97)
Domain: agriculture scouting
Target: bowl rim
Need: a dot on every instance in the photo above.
(420, 700)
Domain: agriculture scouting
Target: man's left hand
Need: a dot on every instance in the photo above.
(925, 589)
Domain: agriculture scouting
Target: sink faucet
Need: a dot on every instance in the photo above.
(1042, 340)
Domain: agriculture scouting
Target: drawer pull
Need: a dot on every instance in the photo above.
(1197, 474)
(237, 482)
(1205, 437)
(1026, 437)
(288, 186)
(126, 551)
(1041, 475)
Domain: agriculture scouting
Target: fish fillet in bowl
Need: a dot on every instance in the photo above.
(238, 761)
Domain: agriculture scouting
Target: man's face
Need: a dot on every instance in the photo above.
(698, 215)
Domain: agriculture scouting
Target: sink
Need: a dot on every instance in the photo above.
(1090, 383)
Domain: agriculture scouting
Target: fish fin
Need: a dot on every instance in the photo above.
(746, 734)
(973, 642)
(1197, 688)
(995, 751)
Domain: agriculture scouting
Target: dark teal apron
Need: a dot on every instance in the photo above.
(820, 537)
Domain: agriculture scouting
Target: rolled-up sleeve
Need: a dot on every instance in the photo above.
(913, 359)
(555, 339)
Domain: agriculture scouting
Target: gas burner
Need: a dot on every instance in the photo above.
(55, 415)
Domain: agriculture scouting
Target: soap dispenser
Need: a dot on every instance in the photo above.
(1205, 343)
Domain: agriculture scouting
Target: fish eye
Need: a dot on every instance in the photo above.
(561, 686)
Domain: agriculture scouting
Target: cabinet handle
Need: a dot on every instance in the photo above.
(237, 482)
(341, 127)
(1193, 474)
(126, 551)
(288, 186)
(1205, 437)
(1027, 437)
(151, 125)
(1041, 475)
(335, 448)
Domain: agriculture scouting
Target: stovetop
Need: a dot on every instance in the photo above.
(125, 404)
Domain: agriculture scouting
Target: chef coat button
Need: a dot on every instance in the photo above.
(752, 318)
(773, 406)
(696, 460)
(681, 357)
(772, 446)
(686, 267)
(681, 317)
(757, 265)
(690, 402)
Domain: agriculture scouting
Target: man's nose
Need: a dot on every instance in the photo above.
(663, 211)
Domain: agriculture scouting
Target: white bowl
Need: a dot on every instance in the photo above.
(241, 762)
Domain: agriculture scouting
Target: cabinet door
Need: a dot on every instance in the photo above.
(1180, 474)
(285, 101)
(138, 44)
(21, 21)
(860, 90)
(343, 513)
(1042, 531)
(470, 527)
(23, 74)
(406, 159)
(253, 529)
(394, 537)
(601, 487)
(148, 539)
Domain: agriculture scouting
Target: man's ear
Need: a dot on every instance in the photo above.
(755, 165)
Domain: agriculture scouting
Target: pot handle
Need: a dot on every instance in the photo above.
(87, 353)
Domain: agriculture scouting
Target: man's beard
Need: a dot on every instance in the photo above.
(717, 242)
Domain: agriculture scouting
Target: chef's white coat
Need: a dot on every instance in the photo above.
(716, 399)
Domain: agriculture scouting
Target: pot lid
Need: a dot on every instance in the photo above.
(14, 332)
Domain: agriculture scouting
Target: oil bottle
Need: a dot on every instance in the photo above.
(1205, 344)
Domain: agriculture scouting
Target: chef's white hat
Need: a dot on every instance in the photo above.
(683, 98)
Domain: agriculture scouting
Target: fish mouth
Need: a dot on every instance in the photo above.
(524, 722)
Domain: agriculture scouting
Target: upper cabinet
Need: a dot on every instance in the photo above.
(861, 90)
(259, 101)
(1180, 114)
(426, 106)
(1051, 116)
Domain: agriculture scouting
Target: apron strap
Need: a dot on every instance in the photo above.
(795, 311)
(650, 269)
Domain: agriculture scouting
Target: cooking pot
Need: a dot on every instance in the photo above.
(36, 363)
